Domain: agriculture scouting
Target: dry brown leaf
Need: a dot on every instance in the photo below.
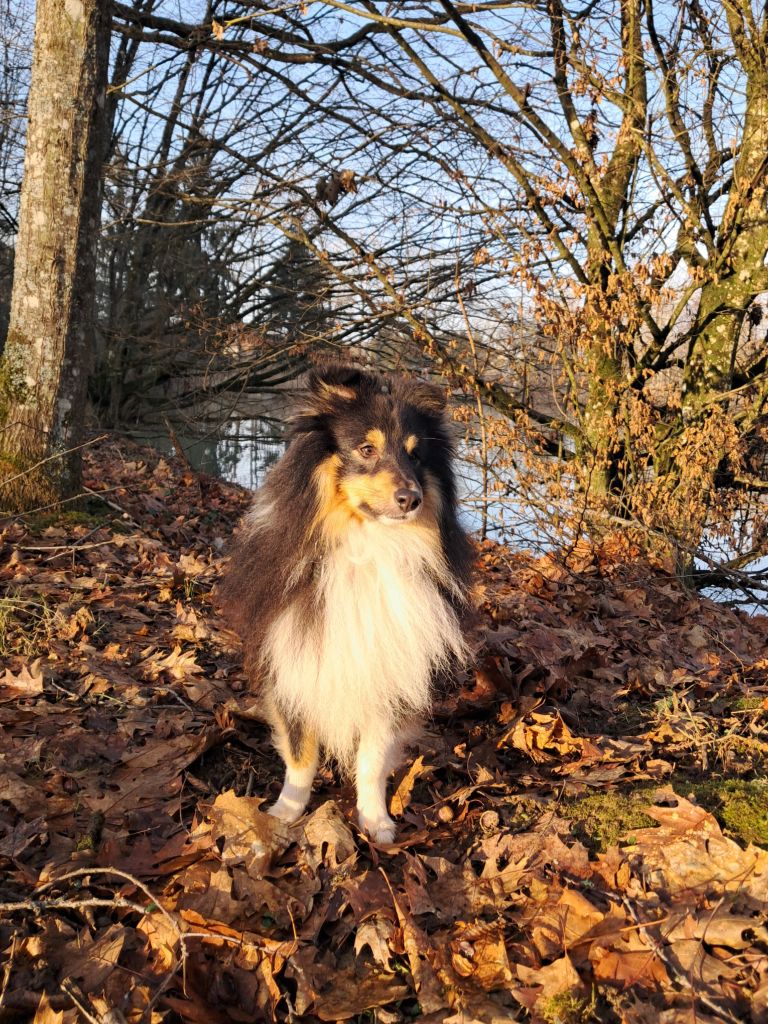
(45, 1014)
(543, 737)
(376, 934)
(27, 682)
(628, 967)
(478, 952)
(325, 837)
(404, 792)
(249, 836)
(91, 961)
(542, 983)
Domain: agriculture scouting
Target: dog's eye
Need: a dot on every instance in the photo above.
(367, 451)
(413, 455)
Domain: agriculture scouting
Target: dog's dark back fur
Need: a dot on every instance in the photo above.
(275, 564)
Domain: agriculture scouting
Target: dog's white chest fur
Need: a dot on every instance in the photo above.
(384, 627)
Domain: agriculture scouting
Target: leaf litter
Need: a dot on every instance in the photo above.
(142, 879)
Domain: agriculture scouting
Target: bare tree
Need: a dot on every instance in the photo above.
(46, 359)
(14, 74)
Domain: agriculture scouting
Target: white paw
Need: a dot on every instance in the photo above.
(286, 811)
(381, 829)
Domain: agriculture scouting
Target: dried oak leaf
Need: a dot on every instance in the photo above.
(351, 995)
(478, 953)
(543, 736)
(28, 682)
(91, 961)
(209, 893)
(248, 836)
(404, 792)
(45, 1014)
(177, 665)
(688, 853)
(325, 837)
(376, 933)
(542, 983)
(189, 626)
(559, 925)
(628, 968)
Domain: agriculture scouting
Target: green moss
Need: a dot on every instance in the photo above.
(568, 1008)
(523, 814)
(741, 807)
(13, 390)
(748, 703)
(91, 517)
(600, 819)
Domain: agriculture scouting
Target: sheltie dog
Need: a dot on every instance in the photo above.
(347, 582)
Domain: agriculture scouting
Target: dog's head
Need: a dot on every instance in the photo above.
(386, 439)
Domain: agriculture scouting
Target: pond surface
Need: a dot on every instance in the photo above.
(240, 451)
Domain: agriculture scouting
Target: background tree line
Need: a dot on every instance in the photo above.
(559, 209)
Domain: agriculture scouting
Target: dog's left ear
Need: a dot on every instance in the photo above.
(428, 398)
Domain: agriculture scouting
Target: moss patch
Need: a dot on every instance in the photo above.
(13, 390)
(740, 806)
(568, 1008)
(601, 819)
(26, 625)
(92, 515)
(748, 703)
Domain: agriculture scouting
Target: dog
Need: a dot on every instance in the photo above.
(348, 581)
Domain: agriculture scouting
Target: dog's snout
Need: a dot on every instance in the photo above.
(408, 499)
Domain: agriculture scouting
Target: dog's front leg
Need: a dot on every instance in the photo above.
(299, 749)
(377, 755)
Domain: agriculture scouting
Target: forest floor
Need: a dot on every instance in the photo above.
(582, 828)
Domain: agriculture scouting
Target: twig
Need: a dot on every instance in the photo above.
(14, 517)
(61, 548)
(7, 969)
(116, 901)
(59, 903)
(80, 999)
(113, 504)
(181, 455)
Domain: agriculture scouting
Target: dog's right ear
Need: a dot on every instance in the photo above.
(335, 382)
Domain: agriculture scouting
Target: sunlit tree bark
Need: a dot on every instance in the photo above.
(46, 357)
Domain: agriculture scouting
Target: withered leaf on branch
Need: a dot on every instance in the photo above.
(330, 188)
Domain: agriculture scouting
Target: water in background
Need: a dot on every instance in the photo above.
(240, 451)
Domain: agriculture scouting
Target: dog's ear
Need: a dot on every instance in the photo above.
(426, 397)
(335, 381)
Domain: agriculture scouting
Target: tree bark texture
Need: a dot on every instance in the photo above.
(51, 328)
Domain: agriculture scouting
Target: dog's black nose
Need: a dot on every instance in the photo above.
(407, 499)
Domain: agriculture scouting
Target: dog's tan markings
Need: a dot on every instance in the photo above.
(338, 391)
(376, 438)
(334, 510)
(410, 443)
(373, 489)
(297, 744)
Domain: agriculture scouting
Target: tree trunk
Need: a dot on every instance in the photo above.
(739, 273)
(50, 338)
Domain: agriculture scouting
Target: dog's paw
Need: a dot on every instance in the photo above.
(286, 811)
(381, 830)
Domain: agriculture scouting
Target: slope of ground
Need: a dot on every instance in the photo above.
(581, 826)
